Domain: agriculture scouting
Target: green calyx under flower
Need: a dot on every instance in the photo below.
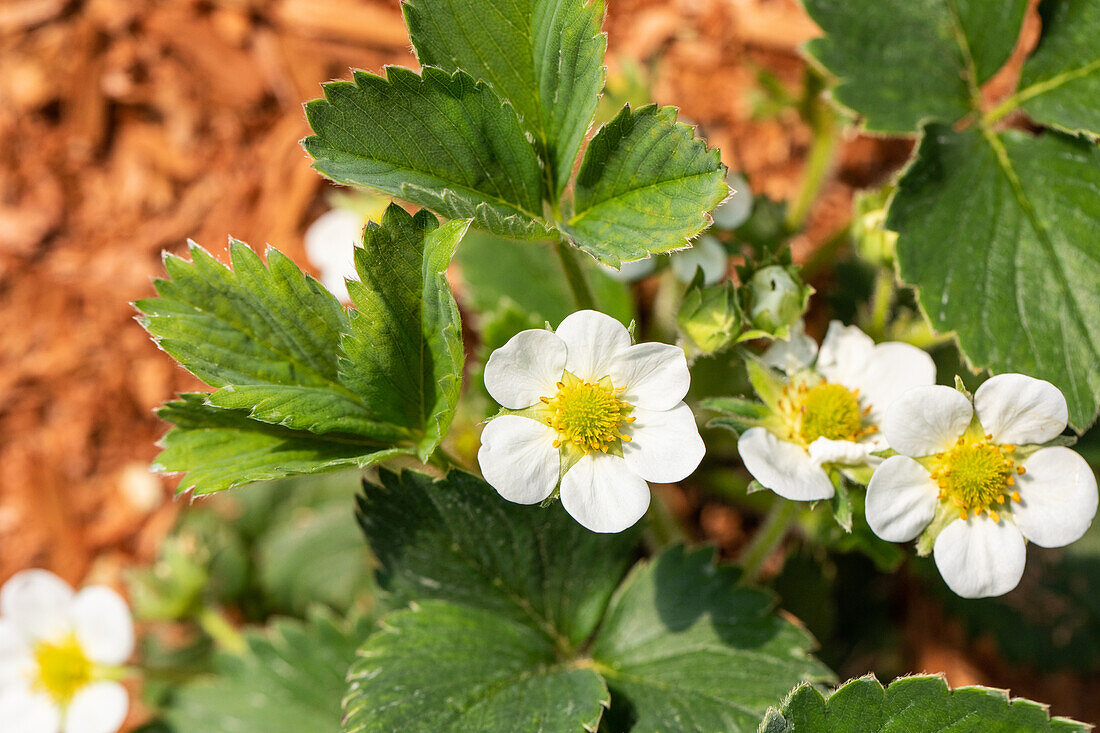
(588, 415)
(822, 410)
(977, 475)
(63, 668)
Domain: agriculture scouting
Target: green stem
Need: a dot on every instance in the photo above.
(826, 137)
(582, 293)
(771, 533)
(221, 630)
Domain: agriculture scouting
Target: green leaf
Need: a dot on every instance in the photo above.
(1060, 81)
(316, 555)
(404, 351)
(290, 679)
(455, 539)
(440, 667)
(738, 406)
(543, 56)
(645, 186)
(439, 140)
(998, 231)
(268, 336)
(901, 63)
(685, 648)
(220, 449)
(918, 704)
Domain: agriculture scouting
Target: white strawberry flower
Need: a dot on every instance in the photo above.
(826, 413)
(598, 417)
(973, 477)
(60, 653)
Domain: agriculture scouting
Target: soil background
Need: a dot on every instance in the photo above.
(130, 126)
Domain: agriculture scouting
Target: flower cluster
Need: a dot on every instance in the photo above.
(827, 414)
(60, 653)
(590, 414)
(593, 416)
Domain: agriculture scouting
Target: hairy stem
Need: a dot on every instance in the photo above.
(767, 538)
(225, 635)
(826, 137)
(582, 293)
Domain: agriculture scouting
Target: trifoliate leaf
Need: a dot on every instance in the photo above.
(267, 336)
(404, 351)
(290, 679)
(455, 539)
(901, 63)
(439, 140)
(919, 704)
(644, 187)
(998, 230)
(444, 667)
(219, 449)
(683, 647)
(1060, 81)
(543, 56)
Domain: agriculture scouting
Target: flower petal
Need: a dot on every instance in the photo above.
(330, 238)
(655, 375)
(34, 711)
(526, 368)
(103, 625)
(16, 659)
(901, 499)
(844, 452)
(707, 253)
(926, 420)
(783, 467)
(1058, 497)
(979, 558)
(594, 340)
(843, 353)
(892, 369)
(792, 355)
(1016, 408)
(603, 494)
(518, 458)
(664, 444)
(100, 707)
(38, 603)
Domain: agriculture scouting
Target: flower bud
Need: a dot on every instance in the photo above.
(710, 317)
(775, 299)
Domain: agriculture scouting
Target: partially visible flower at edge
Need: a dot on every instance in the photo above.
(591, 414)
(60, 653)
(825, 414)
(974, 480)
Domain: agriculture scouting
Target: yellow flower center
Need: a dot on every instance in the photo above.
(977, 475)
(589, 415)
(62, 668)
(824, 410)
